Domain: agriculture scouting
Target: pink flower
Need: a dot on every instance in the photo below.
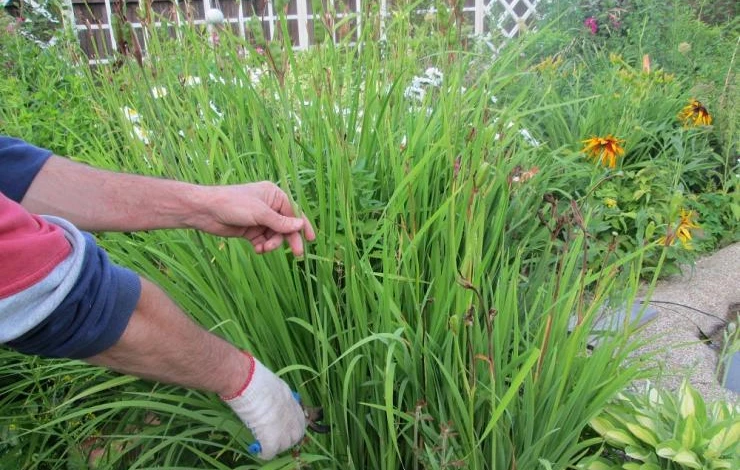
(614, 20)
(592, 24)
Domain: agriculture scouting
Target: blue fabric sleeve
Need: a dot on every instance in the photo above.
(19, 164)
(94, 314)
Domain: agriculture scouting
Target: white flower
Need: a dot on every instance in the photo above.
(141, 133)
(214, 16)
(217, 79)
(159, 92)
(528, 137)
(414, 93)
(131, 114)
(419, 82)
(192, 81)
(215, 109)
(494, 100)
(255, 75)
(435, 75)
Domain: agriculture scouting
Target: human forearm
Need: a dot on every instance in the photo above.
(161, 343)
(99, 200)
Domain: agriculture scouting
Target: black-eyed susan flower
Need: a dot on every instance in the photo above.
(683, 231)
(695, 114)
(604, 150)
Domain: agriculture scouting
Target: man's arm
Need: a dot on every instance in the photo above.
(161, 343)
(99, 200)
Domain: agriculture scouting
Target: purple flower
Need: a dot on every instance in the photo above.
(591, 24)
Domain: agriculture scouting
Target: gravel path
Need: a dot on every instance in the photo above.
(711, 286)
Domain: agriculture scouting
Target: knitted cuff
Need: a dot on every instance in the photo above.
(250, 360)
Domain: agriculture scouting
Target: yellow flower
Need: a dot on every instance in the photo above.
(683, 231)
(609, 202)
(604, 150)
(549, 63)
(695, 114)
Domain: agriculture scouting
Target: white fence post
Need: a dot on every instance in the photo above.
(240, 16)
(302, 18)
(480, 14)
(109, 12)
(383, 15)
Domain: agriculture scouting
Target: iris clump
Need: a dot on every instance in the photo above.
(444, 317)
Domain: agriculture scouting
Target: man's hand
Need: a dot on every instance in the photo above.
(259, 212)
(268, 408)
(99, 200)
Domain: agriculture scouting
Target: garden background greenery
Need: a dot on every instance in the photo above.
(478, 201)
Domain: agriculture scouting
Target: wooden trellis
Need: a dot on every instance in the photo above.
(91, 19)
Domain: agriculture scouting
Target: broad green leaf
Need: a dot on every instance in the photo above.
(724, 439)
(643, 434)
(689, 433)
(668, 449)
(638, 453)
(601, 464)
(619, 438)
(691, 403)
(602, 425)
(719, 463)
(687, 458)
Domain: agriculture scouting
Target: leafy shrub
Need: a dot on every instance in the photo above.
(655, 429)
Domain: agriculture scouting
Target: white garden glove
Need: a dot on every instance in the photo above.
(269, 409)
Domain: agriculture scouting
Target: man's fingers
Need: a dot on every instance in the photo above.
(308, 230)
(280, 223)
(296, 243)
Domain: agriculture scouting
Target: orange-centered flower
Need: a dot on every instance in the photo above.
(604, 150)
(695, 114)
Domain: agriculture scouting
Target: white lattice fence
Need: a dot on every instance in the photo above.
(91, 18)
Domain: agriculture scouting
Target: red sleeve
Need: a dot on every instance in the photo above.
(30, 248)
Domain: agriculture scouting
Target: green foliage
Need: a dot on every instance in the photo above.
(44, 95)
(443, 316)
(660, 430)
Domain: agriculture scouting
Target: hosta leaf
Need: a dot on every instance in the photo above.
(724, 439)
(716, 464)
(638, 453)
(689, 433)
(668, 449)
(602, 425)
(601, 464)
(691, 403)
(642, 433)
(687, 459)
(619, 438)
